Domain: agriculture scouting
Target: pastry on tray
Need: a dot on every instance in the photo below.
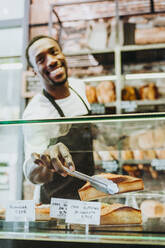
(42, 212)
(2, 213)
(119, 214)
(124, 183)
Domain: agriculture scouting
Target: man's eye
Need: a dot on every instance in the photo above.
(53, 52)
(40, 60)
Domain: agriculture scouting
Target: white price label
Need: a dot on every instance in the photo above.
(79, 212)
(159, 164)
(22, 210)
(58, 208)
(129, 106)
(97, 108)
(110, 165)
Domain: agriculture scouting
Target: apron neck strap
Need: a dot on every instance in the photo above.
(57, 107)
(51, 99)
(81, 99)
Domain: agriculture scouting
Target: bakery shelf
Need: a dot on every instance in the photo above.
(86, 52)
(128, 48)
(99, 78)
(110, 104)
(144, 102)
(144, 75)
(135, 161)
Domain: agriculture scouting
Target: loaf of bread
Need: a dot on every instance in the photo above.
(150, 35)
(149, 154)
(42, 212)
(2, 213)
(125, 184)
(132, 170)
(91, 93)
(148, 92)
(119, 214)
(138, 154)
(152, 208)
(127, 154)
(146, 140)
(159, 137)
(106, 92)
(129, 93)
(160, 153)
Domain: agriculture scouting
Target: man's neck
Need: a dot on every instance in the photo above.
(59, 91)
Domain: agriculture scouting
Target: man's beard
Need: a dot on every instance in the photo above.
(58, 83)
(54, 83)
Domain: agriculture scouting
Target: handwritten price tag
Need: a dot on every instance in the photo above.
(83, 212)
(58, 208)
(22, 210)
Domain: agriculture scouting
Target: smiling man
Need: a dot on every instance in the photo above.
(50, 147)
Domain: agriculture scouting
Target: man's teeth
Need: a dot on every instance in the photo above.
(57, 71)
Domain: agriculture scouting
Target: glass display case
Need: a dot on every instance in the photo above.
(123, 146)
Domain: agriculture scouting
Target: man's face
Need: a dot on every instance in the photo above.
(48, 61)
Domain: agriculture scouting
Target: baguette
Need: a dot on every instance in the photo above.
(119, 214)
(125, 184)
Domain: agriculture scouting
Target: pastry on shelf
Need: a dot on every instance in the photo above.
(130, 93)
(106, 92)
(159, 137)
(132, 170)
(91, 93)
(150, 35)
(124, 183)
(146, 140)
(113, 152)
(42, 212)
(152, 208)
(119, 214)
(149, 154)
(138, 154)
(2, 213)
(127, 155)
(160, 153)
(149, 92)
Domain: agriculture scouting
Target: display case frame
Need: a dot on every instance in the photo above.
(75, 235)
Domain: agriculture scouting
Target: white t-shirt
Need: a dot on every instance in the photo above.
(37, 136)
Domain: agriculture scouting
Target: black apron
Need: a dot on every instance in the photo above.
(79, 142)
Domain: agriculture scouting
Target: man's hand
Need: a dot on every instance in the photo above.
(55, 158)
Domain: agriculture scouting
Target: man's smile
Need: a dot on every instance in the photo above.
(57, 72)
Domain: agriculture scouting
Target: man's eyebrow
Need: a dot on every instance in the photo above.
(53, 48)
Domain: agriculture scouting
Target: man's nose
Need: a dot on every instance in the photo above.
(51, 62)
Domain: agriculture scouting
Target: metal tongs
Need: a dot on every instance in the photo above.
(101, 184)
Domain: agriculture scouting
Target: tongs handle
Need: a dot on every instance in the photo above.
(102, 184)
(78, 174)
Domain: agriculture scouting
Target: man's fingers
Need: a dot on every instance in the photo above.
(37, 160)
(47, 161)
(58, 167)
(65, 154)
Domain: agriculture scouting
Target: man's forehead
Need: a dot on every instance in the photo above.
(42, 45)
